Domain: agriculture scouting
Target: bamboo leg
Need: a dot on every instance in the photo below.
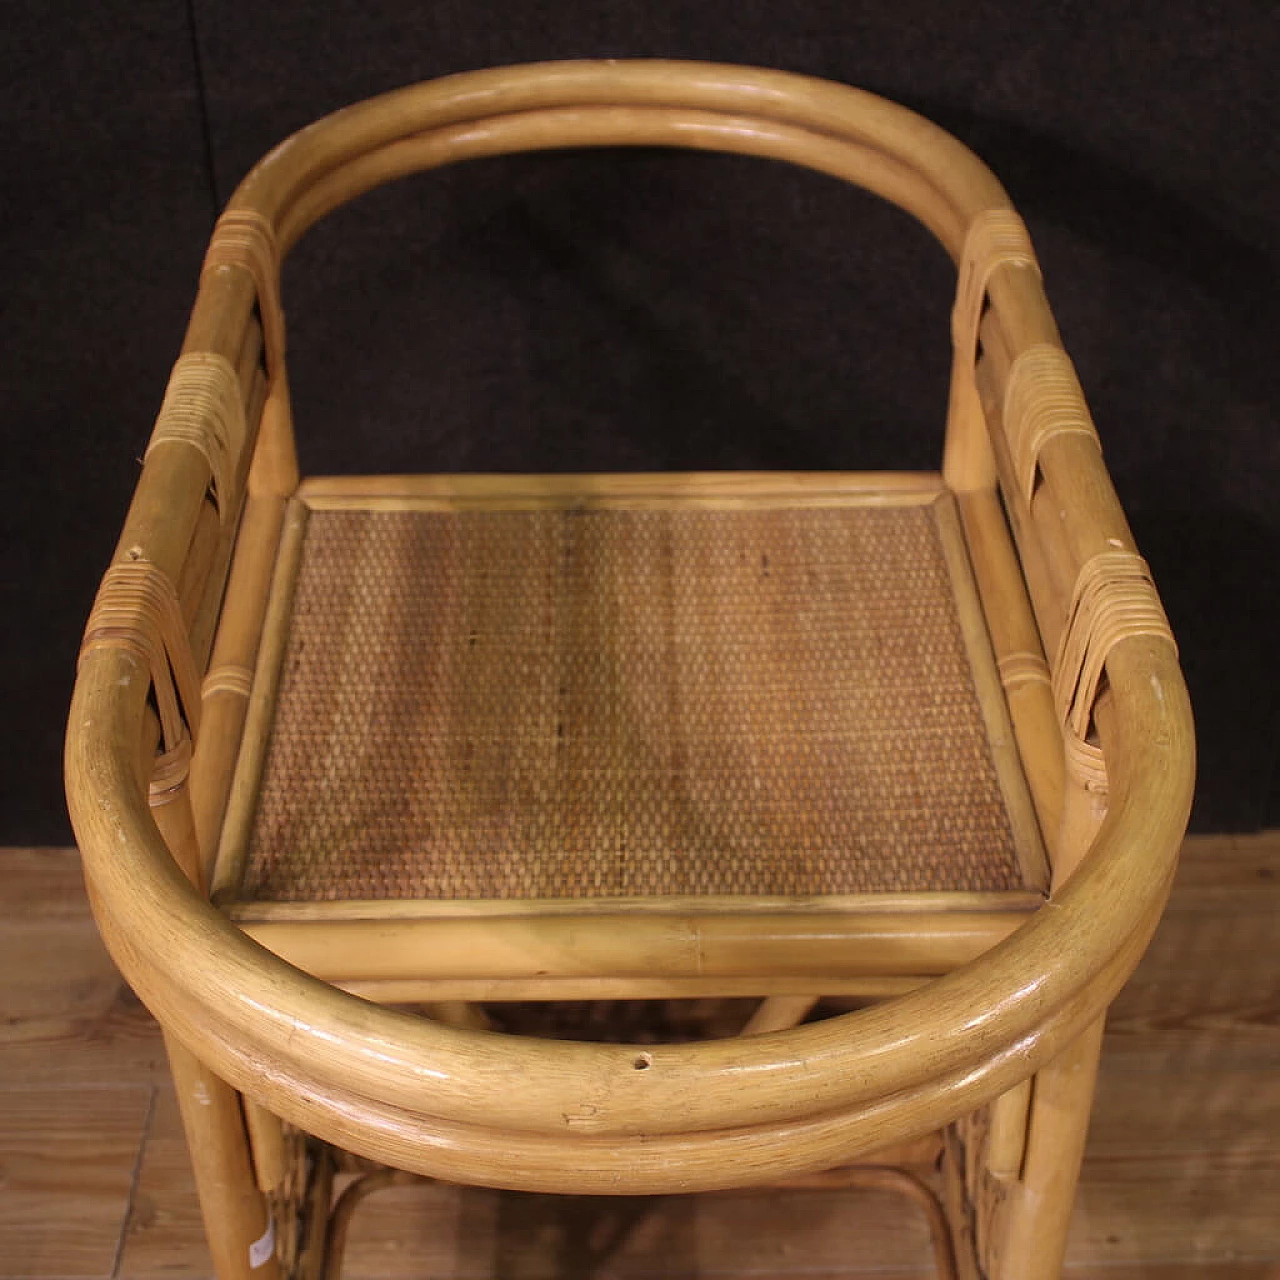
(311, 1254)
(1031, 1238)
(459, 1013)
(266, 1141)
(237, 1221)
(778, 1013)
(1007, 1132)
(958, 1210)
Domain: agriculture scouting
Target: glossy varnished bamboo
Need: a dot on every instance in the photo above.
(237, 1220)
(823, 948)
(582, 1117)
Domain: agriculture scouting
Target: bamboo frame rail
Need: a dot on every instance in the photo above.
(469, 1105)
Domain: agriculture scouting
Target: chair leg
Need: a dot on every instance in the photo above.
(1032, 1240)
(266, 1146)
(237, 1221)
(778, 1013)
(459, 1013)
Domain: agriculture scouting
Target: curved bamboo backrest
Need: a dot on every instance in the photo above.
(472, 1106)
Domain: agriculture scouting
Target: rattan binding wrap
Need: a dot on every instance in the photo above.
(599, 703)
(1043, 400)
(1114, 599)
(245, 238)
(203, 409)
(137, 610)
(996, 238)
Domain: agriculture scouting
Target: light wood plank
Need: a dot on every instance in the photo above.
(1181, 1167)
(1174, 1271)
(1211, 1210)
(41, 884)
(68, 1159)
(68, 1017)
(1206, 996)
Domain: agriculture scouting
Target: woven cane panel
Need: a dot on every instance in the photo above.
(561, 704)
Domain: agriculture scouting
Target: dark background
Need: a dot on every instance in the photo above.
(647, 310)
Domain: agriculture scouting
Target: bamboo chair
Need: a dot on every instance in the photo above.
(348, 758)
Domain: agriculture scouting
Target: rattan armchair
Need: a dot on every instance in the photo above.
(355, 762)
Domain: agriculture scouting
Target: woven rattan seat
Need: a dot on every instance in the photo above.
(677, 700)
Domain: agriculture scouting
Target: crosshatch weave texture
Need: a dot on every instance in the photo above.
(590, 703)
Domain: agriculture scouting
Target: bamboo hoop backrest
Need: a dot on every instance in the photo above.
(474, 1106)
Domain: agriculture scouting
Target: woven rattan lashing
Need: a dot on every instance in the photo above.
(137, 610)
(609, 702)
(1114, 598)
(1043, 400)
(203, 409)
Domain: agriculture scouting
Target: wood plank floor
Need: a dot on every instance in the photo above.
(1182, 1176)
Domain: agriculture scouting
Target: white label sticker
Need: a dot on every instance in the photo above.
(260, 1250)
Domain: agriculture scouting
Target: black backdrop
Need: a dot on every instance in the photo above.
(647, 310)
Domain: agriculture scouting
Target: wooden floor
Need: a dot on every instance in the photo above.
(1182, 1177)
